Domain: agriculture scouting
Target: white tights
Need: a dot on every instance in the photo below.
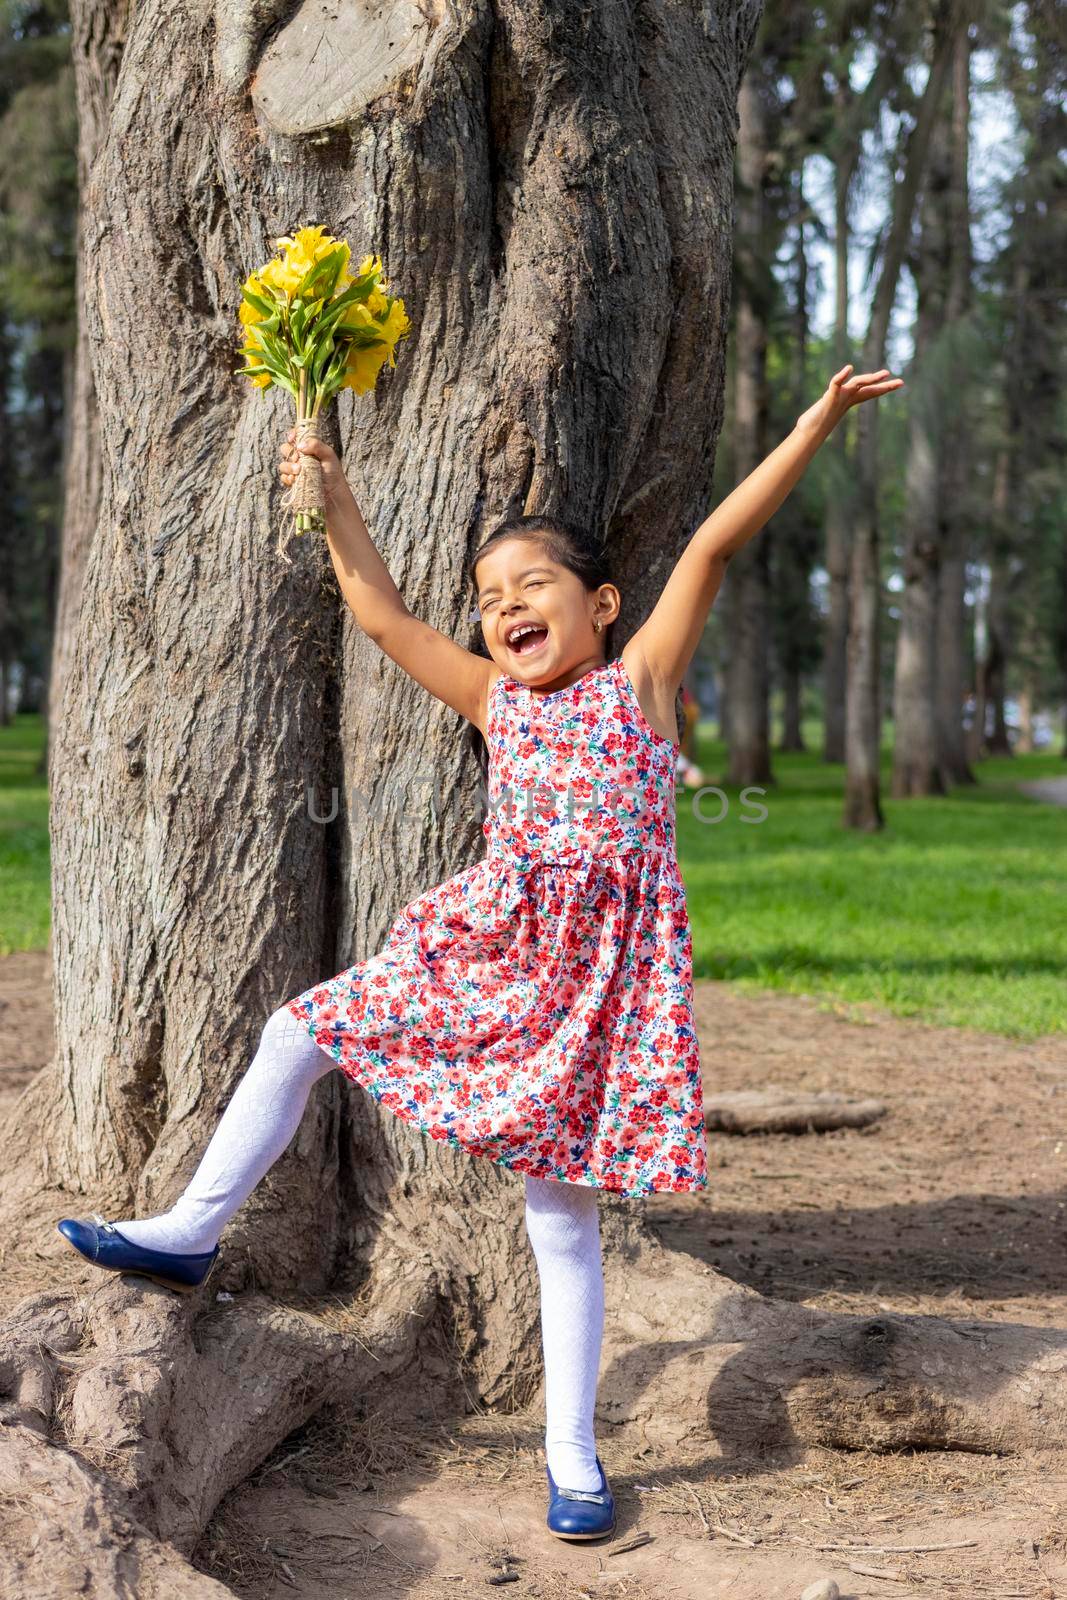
(562, 1223)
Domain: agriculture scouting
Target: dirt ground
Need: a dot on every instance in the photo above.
(954, 1204)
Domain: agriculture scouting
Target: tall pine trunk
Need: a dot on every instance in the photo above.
(747, 584)
(795, 551)
(953, 641)
(863, 709)
(838, 503)
(916, 764)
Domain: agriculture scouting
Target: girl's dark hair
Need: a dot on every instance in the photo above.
(563, 544)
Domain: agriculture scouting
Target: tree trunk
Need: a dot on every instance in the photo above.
(863, 717)
(915, 753)
(792, 711)
(953, 655)
(747, 582)
(986, 621)
(953, 651)
(98, 39)
(549, 188)
(838, 506)
(795, 552)
(997, 742)
(1025, 743)
(916, 764)
(10, 530)
(1006, 501)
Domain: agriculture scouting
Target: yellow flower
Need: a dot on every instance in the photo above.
(264, 378)
(364, 365)
(283, 275)
(311, 242)
(397, 325)
(357, 315)
(307, 246)
(278, 280)
(248, 314)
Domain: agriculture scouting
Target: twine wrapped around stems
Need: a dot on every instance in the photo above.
(305, 501)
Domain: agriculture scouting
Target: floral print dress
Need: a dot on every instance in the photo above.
(536, 1008)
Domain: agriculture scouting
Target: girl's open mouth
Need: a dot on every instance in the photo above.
(527, 638)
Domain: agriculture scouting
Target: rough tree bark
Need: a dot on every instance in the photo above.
(796, 552)
(838, 502)
(746, 589)
(550, 189)
(916, 768)
(991, 614)
(8, 532)
(98, 37)
(953, 644)
(844, 136)
(1005, 567)
(863, 711)
(999, 639)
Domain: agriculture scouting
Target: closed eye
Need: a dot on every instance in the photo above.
(534, 583)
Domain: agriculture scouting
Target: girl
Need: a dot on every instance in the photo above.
(535, 1009)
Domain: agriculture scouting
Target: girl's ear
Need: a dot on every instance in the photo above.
(610, 601)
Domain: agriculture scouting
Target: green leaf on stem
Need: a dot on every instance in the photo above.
(266, 308)
(321, 278)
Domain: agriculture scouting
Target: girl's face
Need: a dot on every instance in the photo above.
(537, 616)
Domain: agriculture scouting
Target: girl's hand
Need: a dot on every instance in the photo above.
(843, 392)
(335, 485)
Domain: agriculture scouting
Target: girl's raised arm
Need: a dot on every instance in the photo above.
(452, 674)
(663, 646)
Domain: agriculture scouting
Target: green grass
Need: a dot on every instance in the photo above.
(24, 852)
(956, 912)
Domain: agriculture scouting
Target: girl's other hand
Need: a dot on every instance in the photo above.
(843, 392)
(334, 483)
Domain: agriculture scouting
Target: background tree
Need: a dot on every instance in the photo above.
(849, 115)
(746, 588)
(932, 665)
(863, 713)
(766, 604)
(38, 199)
(1025, 305)
(796, 627)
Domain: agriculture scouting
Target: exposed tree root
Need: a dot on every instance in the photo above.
(65, 1530)
(128, 1412)
(688, 1351)
(776, 1110)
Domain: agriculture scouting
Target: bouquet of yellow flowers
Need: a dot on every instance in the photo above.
(313, 327)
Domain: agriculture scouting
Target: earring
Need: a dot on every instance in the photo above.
(596, 624)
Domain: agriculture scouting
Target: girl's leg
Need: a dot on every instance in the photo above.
(563, 1224)
(256, 1127)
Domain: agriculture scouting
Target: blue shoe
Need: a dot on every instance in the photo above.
(101, 1243)
(581, 1513)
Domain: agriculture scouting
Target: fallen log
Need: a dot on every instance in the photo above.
(777, 1110)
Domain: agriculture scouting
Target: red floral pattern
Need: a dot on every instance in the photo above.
(537, 1007)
